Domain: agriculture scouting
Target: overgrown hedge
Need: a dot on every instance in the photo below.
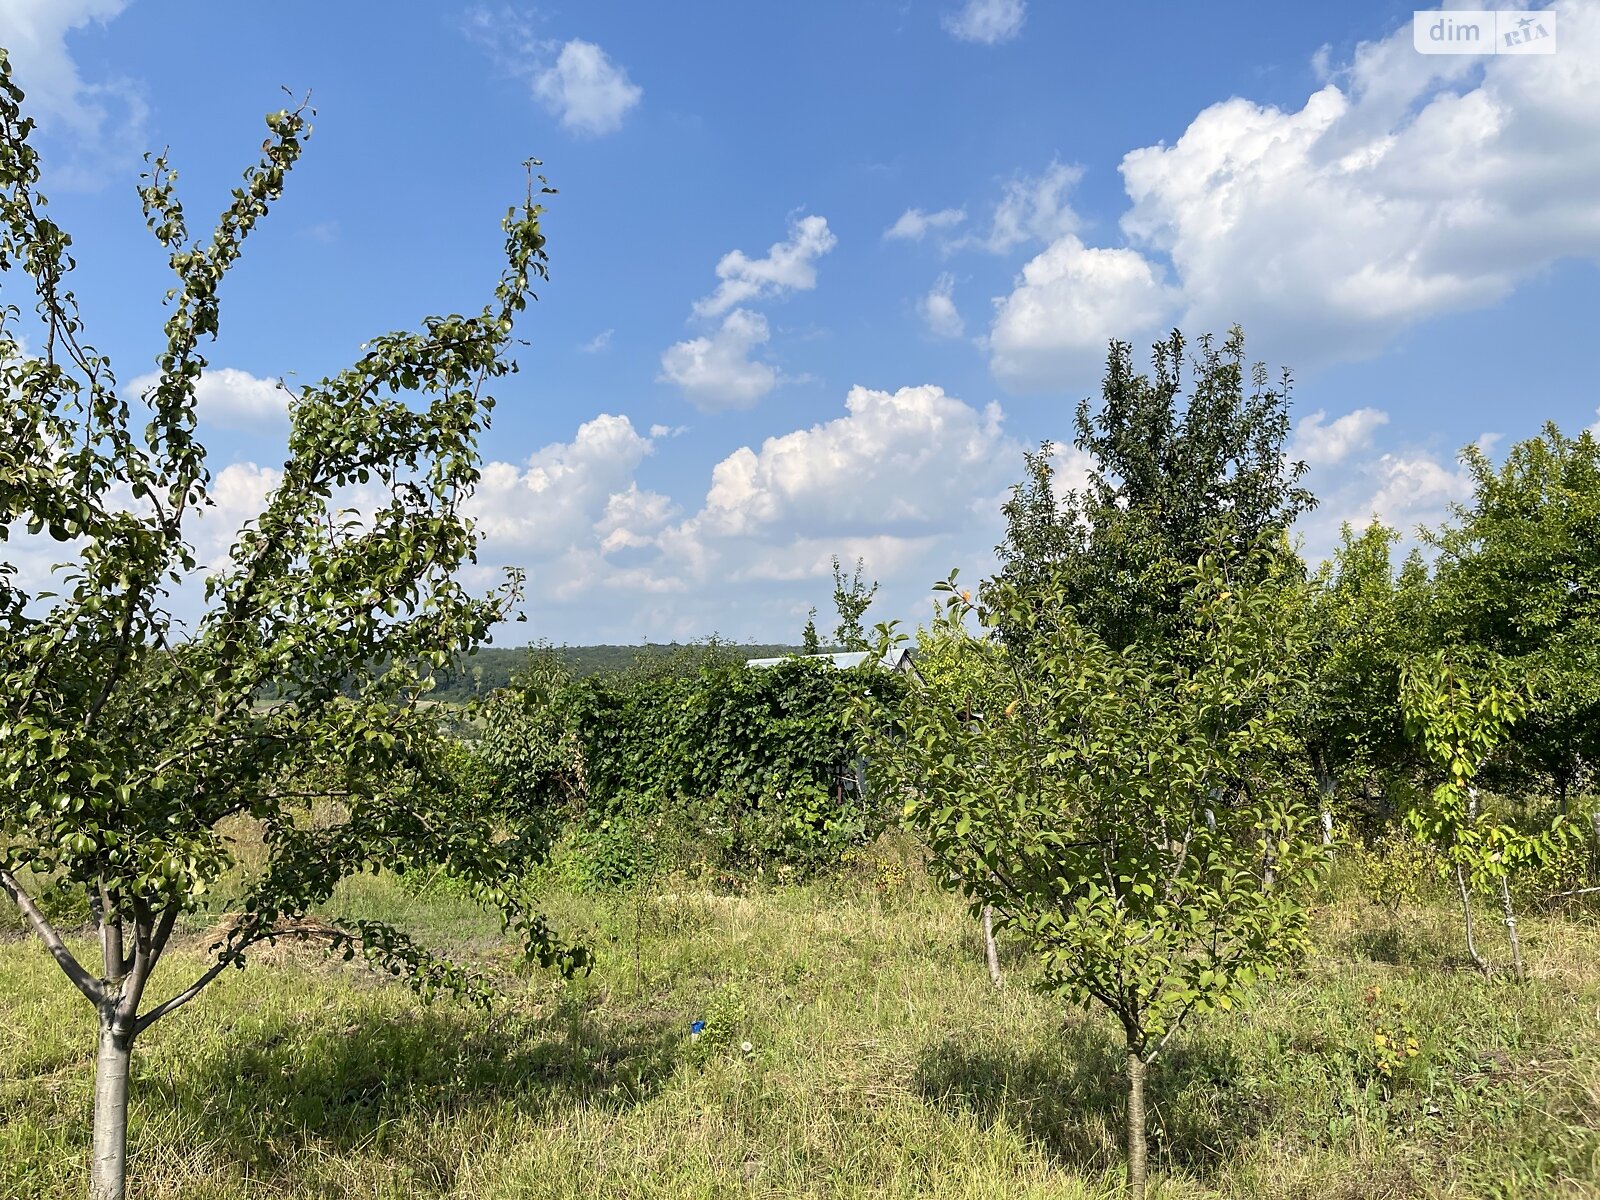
(730, 766)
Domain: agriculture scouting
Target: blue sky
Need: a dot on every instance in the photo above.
(820, 273)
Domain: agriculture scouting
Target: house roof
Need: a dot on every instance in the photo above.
(895, 660)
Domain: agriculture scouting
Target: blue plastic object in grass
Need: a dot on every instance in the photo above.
(697, 1029)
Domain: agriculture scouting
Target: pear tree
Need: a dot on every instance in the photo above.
(132, 745)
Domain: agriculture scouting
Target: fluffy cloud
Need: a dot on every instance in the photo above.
(716, 373)
(789, 265)
(631, 516)
(1034, 208)
(93, 120)
(586, 90)
(887, 465)
(238, 494)
(1382, 202)
(1407, 491)
(914, 224)
(1406, 488)
(908, 480)
(1070, 301)
(938, 309)
(1406, 187)
(987, 21)
(1324, 445)
(232, 399)
(575, 80)
(561, 496)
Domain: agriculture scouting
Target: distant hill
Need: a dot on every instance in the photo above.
(493, 666)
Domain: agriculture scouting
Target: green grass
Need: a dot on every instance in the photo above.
(882, 1063)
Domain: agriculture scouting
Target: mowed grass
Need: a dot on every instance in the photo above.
(881, 1063)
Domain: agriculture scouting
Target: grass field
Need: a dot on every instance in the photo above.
(881, 1062)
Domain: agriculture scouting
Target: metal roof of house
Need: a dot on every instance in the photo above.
(895, 660)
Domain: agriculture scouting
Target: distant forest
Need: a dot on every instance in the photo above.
(493, 667)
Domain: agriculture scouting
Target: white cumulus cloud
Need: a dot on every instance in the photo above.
(914, 224)
(1394, 194)
(586, 90)
(229, 398)
(886, 465)
(1068, 304)
(1404, 188)
(576, 81)
(562, 494)
(789, 265)
(938, 309)
(94, 120)
(987, 21)
(631, 516)
(1407, 488)
(908, 480)
(1417, 490)
(1319, 442)
(717, 372)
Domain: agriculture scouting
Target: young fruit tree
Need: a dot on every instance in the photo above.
(1126, 814)
(851, 596)
(1460, 722)
(132, 747)
(957, 668)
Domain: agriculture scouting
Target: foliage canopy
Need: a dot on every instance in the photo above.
(1177, 469)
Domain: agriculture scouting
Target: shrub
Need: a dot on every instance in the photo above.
(756, 769)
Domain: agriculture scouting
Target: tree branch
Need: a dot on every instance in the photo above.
(229, 957)
(110, 920)
(114, 675)
(81, 979)
(149, 941)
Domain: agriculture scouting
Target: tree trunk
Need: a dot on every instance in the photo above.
(1325, 806)
(1137, 1152)
(990, 951)
(1511, 930)
(109, 1167)
(1466, 914)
